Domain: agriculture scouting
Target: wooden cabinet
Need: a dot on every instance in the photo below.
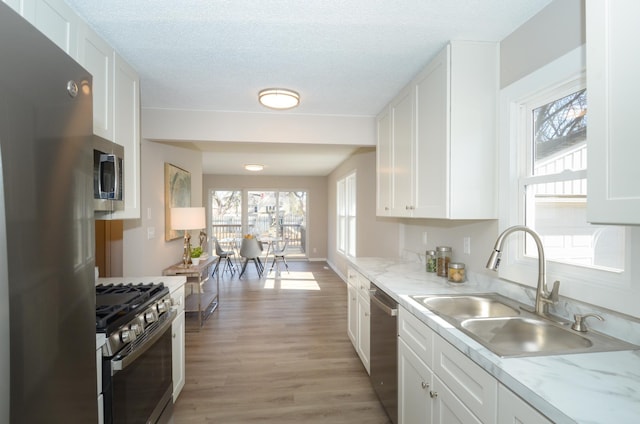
(358, 312)
(97, 57)
(513, 410)
(442, 138)
(437, 383)
(178, 342)
(613, 86)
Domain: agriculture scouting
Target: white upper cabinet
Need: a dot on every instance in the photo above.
(402, 141)
(97, 58)
(17, 5)
(56, 20)
(443, 137)
(613, 67)
(126, 125)
(383, 164)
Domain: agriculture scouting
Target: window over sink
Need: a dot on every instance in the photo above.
(543, 169)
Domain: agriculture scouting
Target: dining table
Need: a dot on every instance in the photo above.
(270, 241)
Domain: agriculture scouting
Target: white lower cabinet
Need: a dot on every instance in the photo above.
(177, 343)
(358, 313)
(452, 390)
(513, 410)
(415, 381)
(352, 315)
(439, 384)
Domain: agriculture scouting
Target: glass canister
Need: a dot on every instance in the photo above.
(457, 272)
(431, 260)
(443, 257)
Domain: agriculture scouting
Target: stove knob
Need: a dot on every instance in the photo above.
(162, 307)
(127, 336)
(136, 328)
(150, 316)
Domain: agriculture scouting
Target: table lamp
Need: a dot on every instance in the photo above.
(187, 219)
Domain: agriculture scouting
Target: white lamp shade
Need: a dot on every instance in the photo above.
(187, 218)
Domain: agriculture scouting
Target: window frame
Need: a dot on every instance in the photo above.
(596, 286)
(346, 218)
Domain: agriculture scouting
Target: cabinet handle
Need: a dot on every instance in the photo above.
(424, 385)
(386, 208)
(366, 314)
(433, 394)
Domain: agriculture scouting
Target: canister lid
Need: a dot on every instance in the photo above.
(443, 248)
(456, 265)
(431, 252)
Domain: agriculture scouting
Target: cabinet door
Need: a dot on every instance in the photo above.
(414, 385)
(448, 409)
(126, 125)
(402, 140)
(364, 326)
(178, 354)
(612, 78)
(432, 139)
(352, 315)
(16, 5)
(97, 57)
(56, 20)
(383, 165)
(475, 388)
(513, 410)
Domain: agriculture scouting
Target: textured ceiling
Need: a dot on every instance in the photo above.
(344, 57)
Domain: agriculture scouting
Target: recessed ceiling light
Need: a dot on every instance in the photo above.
(254, 167)
(278, 98)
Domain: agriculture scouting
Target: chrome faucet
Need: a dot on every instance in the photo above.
(543, 297)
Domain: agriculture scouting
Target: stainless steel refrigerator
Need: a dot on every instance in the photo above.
(47, 292)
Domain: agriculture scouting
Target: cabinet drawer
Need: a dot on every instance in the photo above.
(363, 286)
(352, 277)
(477, 389)
(417, 335)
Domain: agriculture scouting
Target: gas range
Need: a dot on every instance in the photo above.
(127, 313)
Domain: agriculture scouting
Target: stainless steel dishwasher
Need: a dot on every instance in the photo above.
(384, 350)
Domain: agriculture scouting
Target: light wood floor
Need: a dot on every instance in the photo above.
(277, 351)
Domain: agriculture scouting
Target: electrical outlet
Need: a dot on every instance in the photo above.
(424, 238)
(466, 242)
(151, 232)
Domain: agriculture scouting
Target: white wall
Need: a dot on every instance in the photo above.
(143, 256)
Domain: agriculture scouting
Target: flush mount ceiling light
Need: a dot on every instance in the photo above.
(254, 167)
(278, 98)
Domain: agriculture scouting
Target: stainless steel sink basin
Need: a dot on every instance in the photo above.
(509, 329)
(461, 307)
(519, 336)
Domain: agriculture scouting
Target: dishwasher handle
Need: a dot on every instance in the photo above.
(389, 310)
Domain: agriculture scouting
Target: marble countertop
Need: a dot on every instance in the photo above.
(577, 388)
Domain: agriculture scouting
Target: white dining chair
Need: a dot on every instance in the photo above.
(250, 250)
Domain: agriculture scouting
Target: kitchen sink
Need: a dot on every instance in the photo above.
(509, 329)
(515, 336)
(461, 307)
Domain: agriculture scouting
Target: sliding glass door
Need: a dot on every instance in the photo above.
(275, 213)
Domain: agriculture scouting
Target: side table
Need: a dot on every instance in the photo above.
(201, 289)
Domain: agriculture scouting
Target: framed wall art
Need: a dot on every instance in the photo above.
(177, 194)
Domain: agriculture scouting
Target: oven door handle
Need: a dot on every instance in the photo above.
(121, 364)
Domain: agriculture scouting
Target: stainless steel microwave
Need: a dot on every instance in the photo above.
(108, 175)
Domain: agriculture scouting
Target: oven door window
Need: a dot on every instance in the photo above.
(139, 389)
